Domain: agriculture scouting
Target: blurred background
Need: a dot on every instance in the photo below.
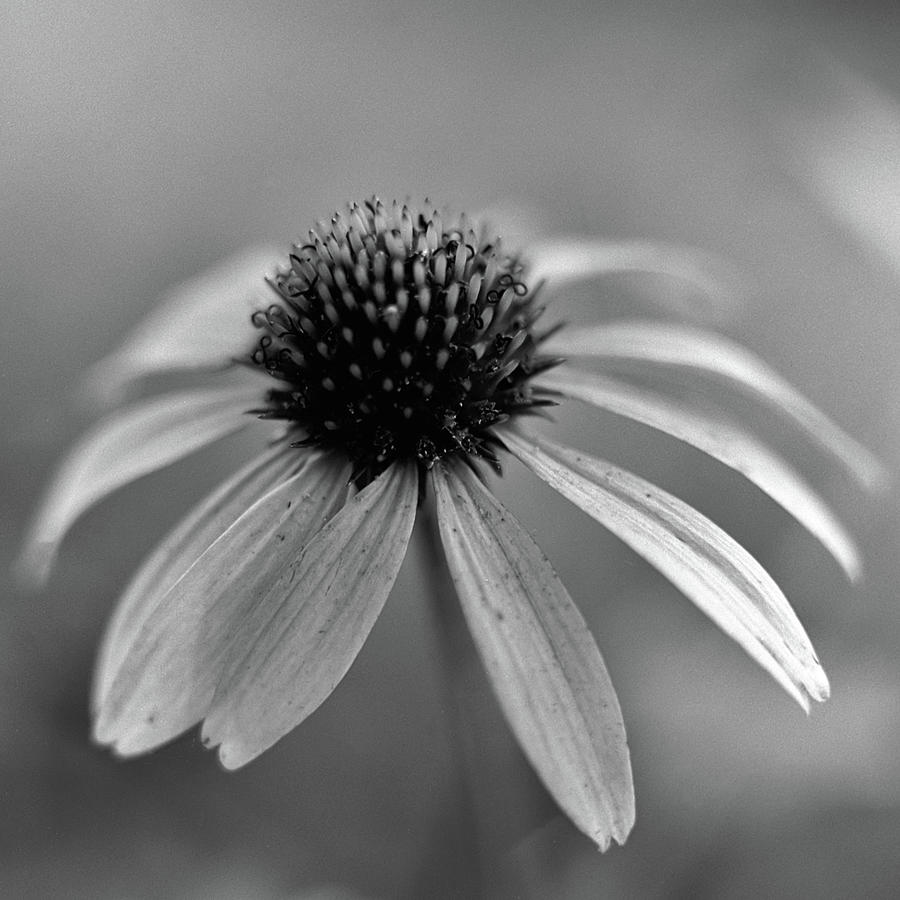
(141, 143)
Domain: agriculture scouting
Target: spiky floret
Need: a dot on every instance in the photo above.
(395, 336)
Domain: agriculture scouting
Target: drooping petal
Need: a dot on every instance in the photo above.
(723, 440)
(166, 681)
(203, 323)
(710, 567)
(179, 550)
(318, 607)
(124, 446)
(711, 354)
(562, 260)
(540, 656)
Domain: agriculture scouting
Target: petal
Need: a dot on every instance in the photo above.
(179, 551)
(318, 607)
(167, 678)
(712, 569)
(857, 179)
(203, 323)
(724, 441)
(514, 223)
(702, 351)
(573, 258)
(542, 661)
(130, 443)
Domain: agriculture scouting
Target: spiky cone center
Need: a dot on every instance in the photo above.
(393, 336)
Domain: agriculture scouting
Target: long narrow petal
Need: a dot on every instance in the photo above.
(723, 440)
(318, 607)
(180, 550)
(708, 353)
(712, 569)
(167, 679)
(563, 260)
(203, 323)
(542, 661)
(126, 445)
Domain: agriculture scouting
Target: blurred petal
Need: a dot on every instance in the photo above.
(168, 674)
(722, 440)
(712, 569)
(515, 223)
(137, 440)
(179, 550)
(317, 609)
(203, 323)
(562, 260)
(702, 351)
(844, 142)
(540, 656)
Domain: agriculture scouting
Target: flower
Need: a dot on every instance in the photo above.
(396, 353)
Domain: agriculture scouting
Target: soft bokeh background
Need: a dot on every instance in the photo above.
(141, 143)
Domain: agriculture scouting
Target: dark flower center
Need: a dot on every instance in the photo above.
(395, 336)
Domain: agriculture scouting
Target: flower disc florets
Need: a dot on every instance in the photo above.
(395, 336)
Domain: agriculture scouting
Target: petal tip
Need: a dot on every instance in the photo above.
(232, 754)
(852, 565)
(229, 760)
(31, 569)
(100, 734)
(616, 831)
(822, 687)
(814, 688)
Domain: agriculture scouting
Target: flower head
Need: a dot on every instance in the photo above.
(395, 337)
(395, 351)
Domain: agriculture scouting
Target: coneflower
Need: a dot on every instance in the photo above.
(399, 352)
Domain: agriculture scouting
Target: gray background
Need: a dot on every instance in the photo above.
(141, 143)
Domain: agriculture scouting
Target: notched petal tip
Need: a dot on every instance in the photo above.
(232, 756)
(814, 689)
(231, 753)
(605, 839)
(617, 831)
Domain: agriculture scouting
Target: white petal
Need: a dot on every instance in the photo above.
(702, 351)
(724, 441)
(318, 608)
(203, 323)
(542, 661)
(712, 569)
(167, 679)
(563, 260)
(129, 443)
(179, 550)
